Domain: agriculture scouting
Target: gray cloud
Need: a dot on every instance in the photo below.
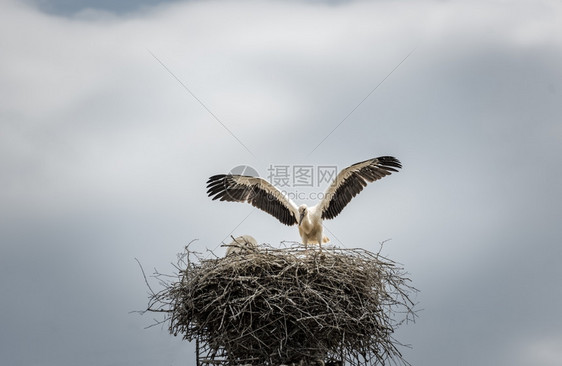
(72, 8)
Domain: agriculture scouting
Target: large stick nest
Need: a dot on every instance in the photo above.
(279, 306)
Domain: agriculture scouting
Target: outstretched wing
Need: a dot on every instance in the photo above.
(257, 191)
(350, 181)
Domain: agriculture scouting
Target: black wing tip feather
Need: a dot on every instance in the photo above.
(389, 161)
(215, 178)
(216, 186)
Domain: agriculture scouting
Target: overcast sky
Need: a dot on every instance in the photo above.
(112, 117)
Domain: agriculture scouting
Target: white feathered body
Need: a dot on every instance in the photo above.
(310, 229)
(241, 244)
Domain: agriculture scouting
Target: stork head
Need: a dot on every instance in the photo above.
(303, 210)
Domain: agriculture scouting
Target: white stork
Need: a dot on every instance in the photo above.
(263, 195)
(241, 244)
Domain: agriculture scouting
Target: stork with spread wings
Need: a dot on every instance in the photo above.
(263, 195)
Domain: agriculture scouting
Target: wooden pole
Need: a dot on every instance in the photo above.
(197, 351)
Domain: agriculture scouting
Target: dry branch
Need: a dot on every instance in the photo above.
(280, 306)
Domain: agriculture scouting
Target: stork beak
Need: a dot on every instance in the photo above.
(300, 219)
